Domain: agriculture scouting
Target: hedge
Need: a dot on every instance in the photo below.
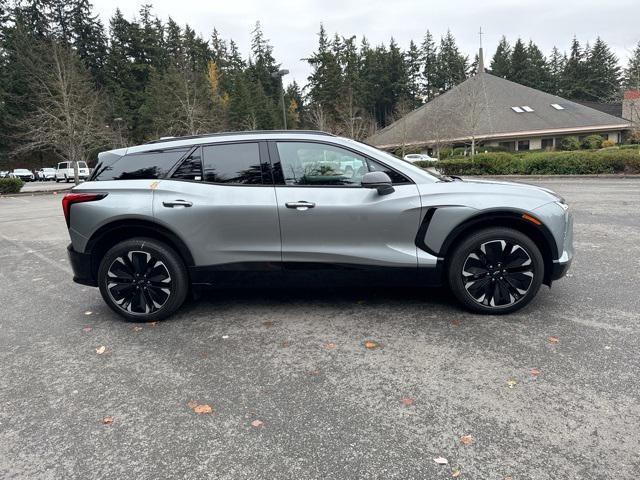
(543, 163)
(10, 185)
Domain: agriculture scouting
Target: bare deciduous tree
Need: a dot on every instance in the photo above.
(67, 114)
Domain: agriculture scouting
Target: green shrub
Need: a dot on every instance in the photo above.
(569, 143)
(592, 142)
(544, 163)
(10, 185)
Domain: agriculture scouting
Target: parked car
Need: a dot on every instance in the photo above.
(419, 157)
(4, 173)
(159, 218)
(46, 174)
(65, 172)
(23, 174)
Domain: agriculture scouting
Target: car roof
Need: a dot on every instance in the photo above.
(174, 142)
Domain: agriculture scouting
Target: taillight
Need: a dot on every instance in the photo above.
(71, 198)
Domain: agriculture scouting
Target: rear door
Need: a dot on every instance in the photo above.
(221, 201)
(327, 217)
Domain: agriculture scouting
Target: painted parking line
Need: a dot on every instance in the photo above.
(64, 267)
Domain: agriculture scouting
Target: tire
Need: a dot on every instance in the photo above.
(143, 298)
(481, 281)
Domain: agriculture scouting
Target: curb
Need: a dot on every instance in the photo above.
(35, 193)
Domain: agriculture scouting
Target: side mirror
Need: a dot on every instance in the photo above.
(378, 180)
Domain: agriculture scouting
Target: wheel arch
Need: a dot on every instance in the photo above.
(114, 232)
(508, 218)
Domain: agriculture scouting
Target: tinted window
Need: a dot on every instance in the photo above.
(190, 168)
(237, 163)
(319, 164)
(62, 166)
(141, 166)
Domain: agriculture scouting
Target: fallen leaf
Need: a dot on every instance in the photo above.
(511, 383)
(268, 323)
(200, 409)
(508, 478)
(257, 423)
(407, 402)
(553, 339)
(101, 350)
(88, 312)
(535, 372)
(192, 404)
(151, 324)
(455, 473)
(466, 439)
(108, 420)
(87, 329)
(285, 344)
(455, 323)
(441, 461)
(136, 329)
(330, 346)
(371, 345)
(204, 354)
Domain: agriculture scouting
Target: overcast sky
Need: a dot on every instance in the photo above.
(292, 25)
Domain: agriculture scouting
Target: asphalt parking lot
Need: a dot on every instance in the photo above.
(549, 392)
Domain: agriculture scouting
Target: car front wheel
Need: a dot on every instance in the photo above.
(143, 280)
(496, 271)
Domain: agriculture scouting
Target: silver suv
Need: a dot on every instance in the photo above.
(159, 219)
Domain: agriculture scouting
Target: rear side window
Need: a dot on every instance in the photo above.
(141, 166)
(190, 168)
(62, 166)
(235, 164)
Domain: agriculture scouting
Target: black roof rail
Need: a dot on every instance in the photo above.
(244, 132)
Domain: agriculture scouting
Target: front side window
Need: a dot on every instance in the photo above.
(62, 166)
(316, 164)
(141, 166)
(235, 164)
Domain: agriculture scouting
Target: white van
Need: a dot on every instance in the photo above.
(65, 171)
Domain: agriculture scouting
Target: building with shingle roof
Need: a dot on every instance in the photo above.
(486, 110)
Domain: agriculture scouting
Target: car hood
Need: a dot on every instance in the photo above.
(482, 194)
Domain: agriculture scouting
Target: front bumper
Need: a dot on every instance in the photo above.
(81, 266)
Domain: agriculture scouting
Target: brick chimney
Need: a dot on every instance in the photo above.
(631, 106)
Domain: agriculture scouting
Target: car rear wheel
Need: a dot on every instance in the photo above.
(496, 271)
(143, 280)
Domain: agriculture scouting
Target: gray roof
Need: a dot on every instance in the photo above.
(481, 107)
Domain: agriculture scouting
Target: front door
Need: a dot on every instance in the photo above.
(326, 216)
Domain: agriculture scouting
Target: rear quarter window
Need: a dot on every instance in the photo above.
(141, 166)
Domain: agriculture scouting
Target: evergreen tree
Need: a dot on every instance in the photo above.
(325, 81)
(501, 61)
(603, 80)
(632, 72)
(556, 67)
(573, 80)
(452, 66)
(519, 63)
(429, 66)
(88, 38)
(414, 75)
(537, 73)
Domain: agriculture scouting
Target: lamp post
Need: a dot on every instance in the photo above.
(279, 74)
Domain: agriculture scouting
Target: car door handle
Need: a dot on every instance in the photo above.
(300, 205)
(177, 203)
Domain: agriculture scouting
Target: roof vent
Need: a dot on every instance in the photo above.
(557, 107)
(517, 109)
(527, 108)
